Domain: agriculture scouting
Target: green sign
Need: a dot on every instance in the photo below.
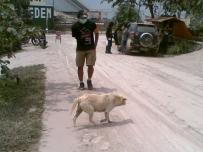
(42, 16)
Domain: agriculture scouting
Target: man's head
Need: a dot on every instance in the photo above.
(111, 24)
(82, 16)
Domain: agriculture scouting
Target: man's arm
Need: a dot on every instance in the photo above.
(96, 34)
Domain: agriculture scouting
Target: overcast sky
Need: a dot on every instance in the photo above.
(97, 5)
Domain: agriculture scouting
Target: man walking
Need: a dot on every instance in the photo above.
(86, 34)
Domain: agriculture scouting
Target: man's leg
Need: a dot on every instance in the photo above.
(80, 77)
(90, 61)
(80, 59)
(108, 47)
(90, 71)
(80, 73)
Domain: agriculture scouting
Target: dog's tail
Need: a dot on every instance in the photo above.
(75, 104)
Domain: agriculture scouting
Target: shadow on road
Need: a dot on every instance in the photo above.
(67, 92)
(104, 90)
(105, 125)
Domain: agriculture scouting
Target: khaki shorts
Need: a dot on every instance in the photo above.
(88, 56)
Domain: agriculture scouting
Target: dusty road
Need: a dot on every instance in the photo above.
(164, 111)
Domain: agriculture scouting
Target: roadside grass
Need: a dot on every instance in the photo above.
(182, 46)
(199, 37)
(21, 107)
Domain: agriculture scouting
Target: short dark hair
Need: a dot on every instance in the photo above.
(81, 13)
(111, 23)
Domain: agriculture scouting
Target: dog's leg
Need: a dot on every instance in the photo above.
(78, 112)
(90, 118)
(107, 116)
(103, 120)
(88, 109)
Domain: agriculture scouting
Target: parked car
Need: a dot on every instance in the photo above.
(143, 37)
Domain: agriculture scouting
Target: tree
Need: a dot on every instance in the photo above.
(12, 31)
(175, 6)
(125, 14)
(12, 27)
(21, 8)
(196, 23)
(148, 3)
(170, 6)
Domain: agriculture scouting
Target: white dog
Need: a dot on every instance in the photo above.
(91, 103)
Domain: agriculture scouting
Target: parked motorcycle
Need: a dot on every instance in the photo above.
(42, 40)
(43, 43)
(35, 41)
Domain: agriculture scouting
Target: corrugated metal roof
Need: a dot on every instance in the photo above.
(80, 5)
(72, 6)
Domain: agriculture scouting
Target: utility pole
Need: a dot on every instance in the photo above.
(47, 22)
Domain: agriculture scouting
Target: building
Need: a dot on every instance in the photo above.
(42, 11)
(60, 14)
(67, 6)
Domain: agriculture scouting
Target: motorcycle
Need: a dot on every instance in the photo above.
(35, 41)
(43, 42)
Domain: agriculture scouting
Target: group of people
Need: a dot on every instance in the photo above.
(120, 36)
(86, 34)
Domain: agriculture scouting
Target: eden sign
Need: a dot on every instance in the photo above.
(41, 12)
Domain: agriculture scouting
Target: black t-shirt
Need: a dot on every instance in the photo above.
(109, 32)
(84, 35)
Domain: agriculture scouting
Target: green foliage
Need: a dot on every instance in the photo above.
(12, 32)
(181, 46)
(170, 6)
(125, 14)
(191, 7)
(4, 68)
(132, 3)
(10, 29)
(196, 23)
(21, 9)
(21, 107)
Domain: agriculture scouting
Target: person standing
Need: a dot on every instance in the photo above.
(117, 36)
(58, 36)
(109, 36)
(124, 38)
(86, 34)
